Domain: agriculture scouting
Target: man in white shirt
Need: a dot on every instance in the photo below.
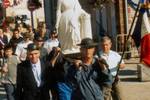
(21, 51)
(112, 59)
(51, 42)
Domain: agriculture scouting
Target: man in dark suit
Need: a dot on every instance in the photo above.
(32, 76)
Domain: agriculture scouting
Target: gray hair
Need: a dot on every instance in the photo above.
(105, 38)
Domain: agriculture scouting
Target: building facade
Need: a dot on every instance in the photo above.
(20, 9)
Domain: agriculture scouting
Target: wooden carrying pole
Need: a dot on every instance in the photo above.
(130, 30)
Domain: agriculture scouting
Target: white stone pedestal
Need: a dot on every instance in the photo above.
(143, 72)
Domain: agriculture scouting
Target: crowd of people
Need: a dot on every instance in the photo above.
(36, 64)
(34, 67)
(13, 49)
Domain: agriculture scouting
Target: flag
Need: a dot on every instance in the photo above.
(132, 4)
(144, 1)
(145, 49)
(142, 26)
(137, 30)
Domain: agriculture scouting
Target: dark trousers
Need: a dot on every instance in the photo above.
(107, 93)
(113, 93)
(10, 91)
(116, 91)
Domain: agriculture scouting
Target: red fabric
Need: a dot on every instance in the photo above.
(145, 49)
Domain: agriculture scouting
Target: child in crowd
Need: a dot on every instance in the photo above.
(9, 69)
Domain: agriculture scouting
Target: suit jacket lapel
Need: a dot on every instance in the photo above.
(30, 74)
(42, 69)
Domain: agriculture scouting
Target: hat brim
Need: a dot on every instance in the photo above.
(88, 46)
(26, 36)
(40, 40)
(32, 49)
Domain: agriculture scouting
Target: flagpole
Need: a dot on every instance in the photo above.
(128, 36)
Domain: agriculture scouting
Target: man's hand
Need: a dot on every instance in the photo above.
(5, 68)
(56, 51)
(56, 30)
(103, 64)
(122, 66)
(77, 64)
(55, 55)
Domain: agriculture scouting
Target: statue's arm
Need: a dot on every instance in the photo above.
(84, 13)
(81, 11)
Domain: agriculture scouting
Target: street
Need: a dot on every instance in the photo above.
(132, 88)
(135, 90)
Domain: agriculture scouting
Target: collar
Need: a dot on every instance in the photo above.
(105, 54)
(53, 39)
(93, 61)
(37, 64)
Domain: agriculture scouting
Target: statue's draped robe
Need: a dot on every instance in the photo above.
(73, 24)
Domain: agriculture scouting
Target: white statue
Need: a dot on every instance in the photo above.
(72, 25)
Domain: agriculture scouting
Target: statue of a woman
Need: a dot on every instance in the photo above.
(72, 25)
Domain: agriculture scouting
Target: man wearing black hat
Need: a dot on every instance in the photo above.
(32, 77)
(89, 73)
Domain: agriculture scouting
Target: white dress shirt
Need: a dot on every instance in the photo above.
(21, 52)
(49, 44)
(36, 68)
(112, 59)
